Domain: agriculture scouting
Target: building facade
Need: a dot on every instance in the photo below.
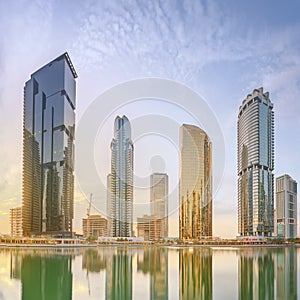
(94, 226)
(16, 222)
(255, 165)
(150, 228)
(121, 180)
(48, 148)
(195, 183)
(286, 206)
(159, 190)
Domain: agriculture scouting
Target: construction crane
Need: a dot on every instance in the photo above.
(88, 217)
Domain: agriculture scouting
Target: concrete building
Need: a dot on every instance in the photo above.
(159, 190)
(48, 149)
(96, 227)
(195, 183)
(121, 180)
(16, 222)
(150, 228)
(255, 165)
(286, 206)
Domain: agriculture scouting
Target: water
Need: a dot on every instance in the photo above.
(150, 273)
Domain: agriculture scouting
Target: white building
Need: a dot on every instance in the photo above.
(286, 206)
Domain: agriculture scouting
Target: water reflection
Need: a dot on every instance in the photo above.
(154, 261)
(43, 276)
(195, 267)
(149, 273)
(286, 274)
(268, 273)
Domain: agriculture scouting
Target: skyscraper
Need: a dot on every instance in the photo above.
(48, 148)
(159, 189)
(286, 206)
(121, 180)
(195, 183)
(255, 165)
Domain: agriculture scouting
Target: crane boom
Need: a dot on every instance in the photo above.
(88, 216)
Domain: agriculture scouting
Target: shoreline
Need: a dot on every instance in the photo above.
(175, 246)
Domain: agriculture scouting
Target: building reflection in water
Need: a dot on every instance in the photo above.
(256, 274)
(118, 274)
(43, 275)
(195, 271)
(268, 274)
(93, 261)
(154, 261)
(286, 273)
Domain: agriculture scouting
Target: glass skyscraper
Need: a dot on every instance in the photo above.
(195, 183)
(48, 148)
(255, 165)
(121, 180)
(159, 189)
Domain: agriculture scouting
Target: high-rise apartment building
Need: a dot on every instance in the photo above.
(159, 189)
(286, 206)
(48, 148)
(255, 165)
(16, 222)
(195, 183)
(108, 202)
(121, 180)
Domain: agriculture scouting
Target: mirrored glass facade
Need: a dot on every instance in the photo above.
(255, 165)
(121, 180)
(159, 189)
(195, 183)
(48, 148)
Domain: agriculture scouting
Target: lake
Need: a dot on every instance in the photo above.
(151, 272)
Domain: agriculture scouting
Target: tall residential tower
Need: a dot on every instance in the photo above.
(159, 190)
(48, 148)
(121, 180)
(195, 183)
(255, 165)
(286, 206)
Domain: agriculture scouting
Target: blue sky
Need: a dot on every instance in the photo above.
(220, 49)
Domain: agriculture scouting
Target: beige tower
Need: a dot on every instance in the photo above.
(195, 179)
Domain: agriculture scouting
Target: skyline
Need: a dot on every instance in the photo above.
(108, 45)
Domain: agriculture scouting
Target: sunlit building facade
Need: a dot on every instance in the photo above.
(16, 222)
(255, 165)
(286, 206)
(94, 226)
(150, 228)
(121, 180)
(48, 148)
(195, 183)
(159, 189)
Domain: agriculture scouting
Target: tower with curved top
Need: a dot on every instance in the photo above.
(195, 183)
(121, 180)
(256, 165)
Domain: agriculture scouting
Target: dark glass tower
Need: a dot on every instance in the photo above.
(48, 148)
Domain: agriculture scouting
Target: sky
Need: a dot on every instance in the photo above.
(221, 50)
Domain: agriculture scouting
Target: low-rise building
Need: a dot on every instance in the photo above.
(94, 226)
(150, 228)
(16, 222)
